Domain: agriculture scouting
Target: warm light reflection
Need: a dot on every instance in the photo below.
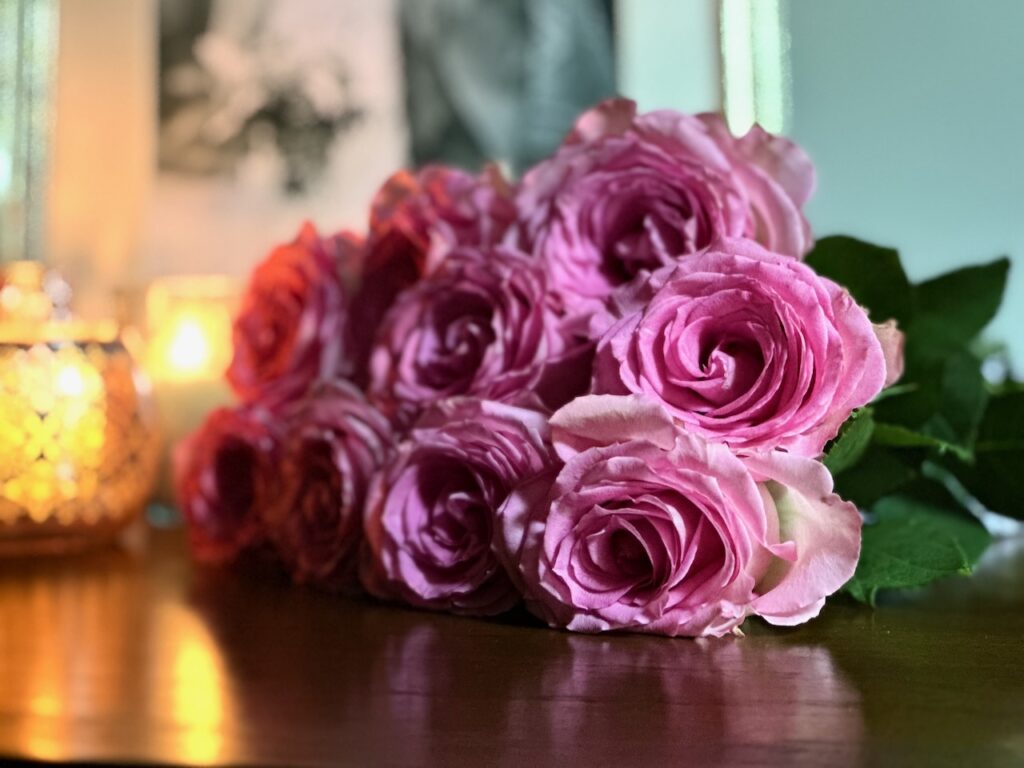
(197, 695)
(60, 620)
(189, 321)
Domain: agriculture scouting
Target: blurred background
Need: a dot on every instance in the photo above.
(147, 138)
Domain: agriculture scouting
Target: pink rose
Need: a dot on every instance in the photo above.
(335, 442)
(628, 193)
(430, 517)
(224, 477)
(662, 532)
(482, 325)
(416, 219)
(745, 347)
(292, 328)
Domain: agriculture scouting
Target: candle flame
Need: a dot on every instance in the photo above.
(189, 350)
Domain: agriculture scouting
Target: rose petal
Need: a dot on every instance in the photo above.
(821, 533)
(599, 420)
(892, 340)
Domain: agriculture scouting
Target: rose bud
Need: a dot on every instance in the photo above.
(430, 517)
(292, 327)
(629, 193)
(745, 347)
(224, 479)
(656, 530)
(335, 442)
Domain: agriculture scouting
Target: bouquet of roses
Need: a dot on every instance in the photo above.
(620, 391)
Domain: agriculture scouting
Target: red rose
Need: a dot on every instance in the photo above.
(224, 476)
(335, 442)
(292, 329)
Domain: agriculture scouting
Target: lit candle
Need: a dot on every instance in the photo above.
(188, 320)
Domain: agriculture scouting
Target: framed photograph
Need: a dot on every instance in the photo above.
(270, 112)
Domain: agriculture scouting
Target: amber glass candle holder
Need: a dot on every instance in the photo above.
(78, 450)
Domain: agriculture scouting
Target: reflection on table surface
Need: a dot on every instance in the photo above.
(138, 655)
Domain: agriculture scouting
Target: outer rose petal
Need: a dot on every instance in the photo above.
(783, 160)
(892, 340)
(778, 178)
(599, 420)
(819, 535)
(519, 533)
(611, 117)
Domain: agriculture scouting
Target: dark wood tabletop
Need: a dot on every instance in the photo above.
(136, 655)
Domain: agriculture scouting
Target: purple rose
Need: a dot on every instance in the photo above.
(655, 530)
(224, 477)
(292, 327)
(335, 442)
(430, 517)
(628, 193)
(482, 325)
(745, 347)
(416, 220)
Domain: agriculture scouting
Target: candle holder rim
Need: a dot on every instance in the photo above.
(26, 333)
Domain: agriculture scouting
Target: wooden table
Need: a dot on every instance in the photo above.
(138, 656)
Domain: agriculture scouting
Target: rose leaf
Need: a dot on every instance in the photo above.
(881, 471)
(896, 436)
(946, 401)
(952, 309)
(853, 439)
(872, 274)
(915, 540)
(996, 477)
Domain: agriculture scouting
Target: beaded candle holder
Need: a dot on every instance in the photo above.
(78, 449)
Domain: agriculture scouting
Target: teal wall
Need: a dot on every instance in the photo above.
(913, 111)
(667, 53)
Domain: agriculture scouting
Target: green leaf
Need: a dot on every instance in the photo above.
(872, 274)
(896, 390)
(901, 437)
(963, 395)
(881, 471)
(915, 540)
(952, 309)
(853, 439)
(946, 402)
(996, 478)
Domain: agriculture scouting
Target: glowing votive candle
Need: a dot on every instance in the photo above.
(188, 348)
